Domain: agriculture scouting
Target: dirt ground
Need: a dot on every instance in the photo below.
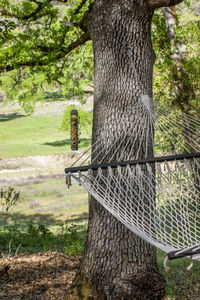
(48, 276)
(41, 276)
(35, 169)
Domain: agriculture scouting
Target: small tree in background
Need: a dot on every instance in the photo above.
(8, 199)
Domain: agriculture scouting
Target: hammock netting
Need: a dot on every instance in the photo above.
(147, 174)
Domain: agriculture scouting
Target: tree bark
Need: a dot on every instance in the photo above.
(116, 263)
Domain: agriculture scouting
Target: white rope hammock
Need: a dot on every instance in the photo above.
(156, 193)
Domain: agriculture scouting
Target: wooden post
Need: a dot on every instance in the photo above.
(74, 129)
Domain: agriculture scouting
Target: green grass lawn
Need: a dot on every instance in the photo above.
(48, 216)
(49, 203)
(180, 283)
(34, 135)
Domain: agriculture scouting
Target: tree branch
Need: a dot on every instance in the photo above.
(69, 24)
(61, 1)
(79, 24)
(80, 41)
(33, 15)
(170, 21)
(62, 53)
(162, 3)
(77, 10)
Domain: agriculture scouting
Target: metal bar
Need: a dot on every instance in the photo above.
(132, 162)
(183, 253)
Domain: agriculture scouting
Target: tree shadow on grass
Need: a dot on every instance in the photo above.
(39, 218)
(77, 218)
(11, 116)
(58, 143)
(42, 232)
(84, 143)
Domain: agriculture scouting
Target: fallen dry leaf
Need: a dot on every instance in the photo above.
(44, 276)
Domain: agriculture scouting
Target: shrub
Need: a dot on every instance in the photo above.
(8, 199)
(85, 120)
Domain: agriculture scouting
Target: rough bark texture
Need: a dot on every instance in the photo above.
(117, 264)
(162, 3)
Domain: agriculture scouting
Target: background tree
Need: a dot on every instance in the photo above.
(73, 74)
(116, 264)
(177, 60)
(177, 71)
(31, 51)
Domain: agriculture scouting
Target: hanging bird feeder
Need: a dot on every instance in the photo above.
(74, 129)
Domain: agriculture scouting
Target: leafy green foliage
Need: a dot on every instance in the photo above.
(35, 238)
(6, 26)
(70, 79)
(167, 75)
(85, 120)
(8, 199)
(75, 240)
(24, 87)
(36, 45)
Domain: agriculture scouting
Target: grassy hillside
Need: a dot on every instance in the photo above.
(39, 134)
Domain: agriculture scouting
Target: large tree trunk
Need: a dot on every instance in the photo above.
(116, 263)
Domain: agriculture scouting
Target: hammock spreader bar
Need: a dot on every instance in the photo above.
(184, 252)
(133, 162)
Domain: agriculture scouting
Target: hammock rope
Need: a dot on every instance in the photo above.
(147, 175)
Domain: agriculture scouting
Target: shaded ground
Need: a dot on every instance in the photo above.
(10, 116)
(37, 276)
(48, 276)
